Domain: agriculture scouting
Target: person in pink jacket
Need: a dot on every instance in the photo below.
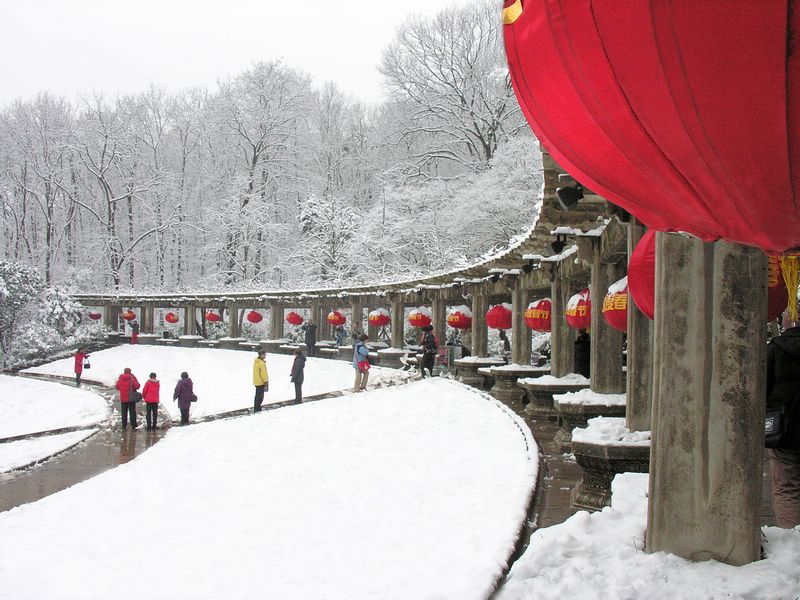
(150, 393)
(126, 384)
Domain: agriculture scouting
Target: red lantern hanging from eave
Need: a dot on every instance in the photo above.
(499, 316)
(379, 317)
(171, 317)
(642, 274)
(419, 317)
(672, 148)
(213, 317)
(615, 305)
(294, 318)
(538, 316)
(254, 316)
(128, 315)
(579, 310)
(459, 317)
(336, 318)
(95, 316)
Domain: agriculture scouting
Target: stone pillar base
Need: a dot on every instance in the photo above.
(578, 415)
(230, 343)
(600, 463)
(389, 357)
(467, 370)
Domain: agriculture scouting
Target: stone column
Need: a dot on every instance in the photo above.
(188, 319)
(562, 348)
(640, 354)
(480, 335)
(233, 321)
(708, 400)
(398, 318)
(148, 318)
(521, 335)
(439, 319)
(316, 316)
(372, 331)
(606, 353)
(111, 316)
(357, 309)
(276, 320)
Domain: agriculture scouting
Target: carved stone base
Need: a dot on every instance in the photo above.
(467, 371)
(231, 343)
(147, 339)
(578, 415)
(272, 346)
(390, 357)
(540, 397)
(600, 463)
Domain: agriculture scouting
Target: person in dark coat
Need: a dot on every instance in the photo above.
(783, 390)
(81, 356)
(311, 338)
(297, 376)
(506, 344)
(125, 384)
(429, 350)
(583, 347)
(184, 392)
(135, 332)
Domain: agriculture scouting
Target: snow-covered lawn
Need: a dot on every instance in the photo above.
(413, 492)
(30, 406)
(223, 379)
(600, 555)
(14, 455)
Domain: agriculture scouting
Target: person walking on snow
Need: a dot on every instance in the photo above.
(127, 383)
(361, 363)
(150, 393)
(297, 375)
(81, 357)
(260, 380)
(429, 350)
(311, 338)
(135, 332)
(184, 394)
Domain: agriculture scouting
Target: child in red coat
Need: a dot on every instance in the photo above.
(150, 393)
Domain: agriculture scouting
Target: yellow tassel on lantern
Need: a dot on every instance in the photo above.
(790, 267)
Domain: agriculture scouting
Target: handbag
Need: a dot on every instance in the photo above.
(194, 398)
(363, 366)
(133, 395)
(86, 365)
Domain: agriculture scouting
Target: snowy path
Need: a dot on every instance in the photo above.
(414, 491)
(222, 379)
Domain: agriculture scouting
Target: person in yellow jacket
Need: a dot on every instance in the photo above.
(260, 380)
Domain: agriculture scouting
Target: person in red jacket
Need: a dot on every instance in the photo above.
(150, 393)
(81, 356)
(126, 383)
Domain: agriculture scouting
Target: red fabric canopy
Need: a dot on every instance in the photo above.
(685, 113)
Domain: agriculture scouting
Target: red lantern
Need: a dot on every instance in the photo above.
(128, 315)
(294, 318)
(254, 316)
(420, 317)
(777, 295)
(460, 317)
(213, 317)
(171, 317)
(379, 317)
(336, 318)
(615, 305)
(642, 274)
(538, 316)
(579, 310)
(631, 99)
(499, 317)
(95, 316)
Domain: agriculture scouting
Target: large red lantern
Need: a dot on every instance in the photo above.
(379, 317)
(171, 317)
(615, 305)
(499, 316)
(642, 274)
(538, 315)
(213, 316)
(336, 318)
(459, 317)
(254, 316)
(419, 317)
(631, 99)
(294, 318)
(579, 310)
(95, 316)
(128, 315)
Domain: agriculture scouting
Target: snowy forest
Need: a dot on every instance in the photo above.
(268, 182)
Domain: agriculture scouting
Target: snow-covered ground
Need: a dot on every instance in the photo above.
(14, 455)
(223, 379)
(600, 556)
(414, 491)
(30, 406)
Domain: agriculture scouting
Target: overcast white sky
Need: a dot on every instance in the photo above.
(74, 46)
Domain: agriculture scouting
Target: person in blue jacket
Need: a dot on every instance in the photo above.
(361, 363)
